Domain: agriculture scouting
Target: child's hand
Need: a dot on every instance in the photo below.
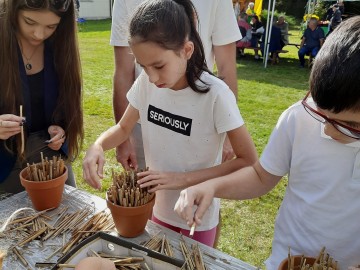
(161, 180)
(10, 125)
(126, 155)
(93, 165)
(200, 195)
(57, 137)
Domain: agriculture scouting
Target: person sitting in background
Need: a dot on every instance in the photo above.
(245, 30)
(257, 29)
(250, 11)
(311, 41)
(284, 29)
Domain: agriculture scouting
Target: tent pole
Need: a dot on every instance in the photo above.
(266, 33)
(269, 28)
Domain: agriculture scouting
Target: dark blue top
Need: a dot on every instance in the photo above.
(51, 93)
(275, 40)
(312, 38)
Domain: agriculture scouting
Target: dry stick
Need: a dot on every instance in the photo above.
(22, 132)
(64, 265)
(32, 237)
(192, 230)
(199, 262)
(19, 255)
(289, 259)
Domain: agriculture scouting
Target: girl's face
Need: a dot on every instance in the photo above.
(36, 26)
(348, 118)
(165, 68)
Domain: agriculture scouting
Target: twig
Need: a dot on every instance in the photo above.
(22, 132)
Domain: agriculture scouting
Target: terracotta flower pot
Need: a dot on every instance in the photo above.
(297, 260)
(44, 194)
(130, 221)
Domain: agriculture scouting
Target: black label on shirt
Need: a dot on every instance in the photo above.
(170, 121)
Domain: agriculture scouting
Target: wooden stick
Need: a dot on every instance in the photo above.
(192, 230)
(22, 132)
(19, 255)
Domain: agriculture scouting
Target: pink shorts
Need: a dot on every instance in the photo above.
(205, 237)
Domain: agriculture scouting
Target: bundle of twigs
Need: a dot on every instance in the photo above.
(125, 190)
(160, 244)
(323, 262)
(36, 226)
(46, 169)
(193, 258)
(101, 221)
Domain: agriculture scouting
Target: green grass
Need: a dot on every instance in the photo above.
(247, 228)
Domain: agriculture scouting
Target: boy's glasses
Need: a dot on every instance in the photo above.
(58, 5)
(348, 131)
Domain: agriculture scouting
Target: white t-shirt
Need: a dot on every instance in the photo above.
(217, 24)
(321, 206)
(184, 131)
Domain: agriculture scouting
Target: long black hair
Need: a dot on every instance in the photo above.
(335, 75)
(169, 23)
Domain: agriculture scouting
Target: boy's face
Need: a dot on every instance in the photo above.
(348, 118)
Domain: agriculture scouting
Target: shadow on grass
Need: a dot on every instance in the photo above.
(286, 73)
(94, 26)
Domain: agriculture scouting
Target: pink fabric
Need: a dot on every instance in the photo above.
(205, 237)
(244, 42)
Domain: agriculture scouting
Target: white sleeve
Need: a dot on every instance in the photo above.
(277, 155)
(135, 94)
(226, 112)
(225, 29)
(120, 24)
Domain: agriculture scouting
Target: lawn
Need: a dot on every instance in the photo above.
(247, 226)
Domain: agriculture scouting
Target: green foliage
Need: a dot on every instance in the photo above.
(320, 9)
(263, 94)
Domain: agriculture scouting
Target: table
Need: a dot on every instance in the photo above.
(77, 199)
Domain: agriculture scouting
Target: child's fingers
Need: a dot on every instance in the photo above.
(147, 176)
(184, 208)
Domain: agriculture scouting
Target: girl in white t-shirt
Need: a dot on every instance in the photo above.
(185, 113)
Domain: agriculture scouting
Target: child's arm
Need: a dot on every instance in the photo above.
(244, 150)
(94, 160)
(247, 183)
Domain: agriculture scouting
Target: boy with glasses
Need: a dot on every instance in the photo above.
(316, 143)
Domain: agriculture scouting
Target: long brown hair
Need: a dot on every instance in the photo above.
(67, 65)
